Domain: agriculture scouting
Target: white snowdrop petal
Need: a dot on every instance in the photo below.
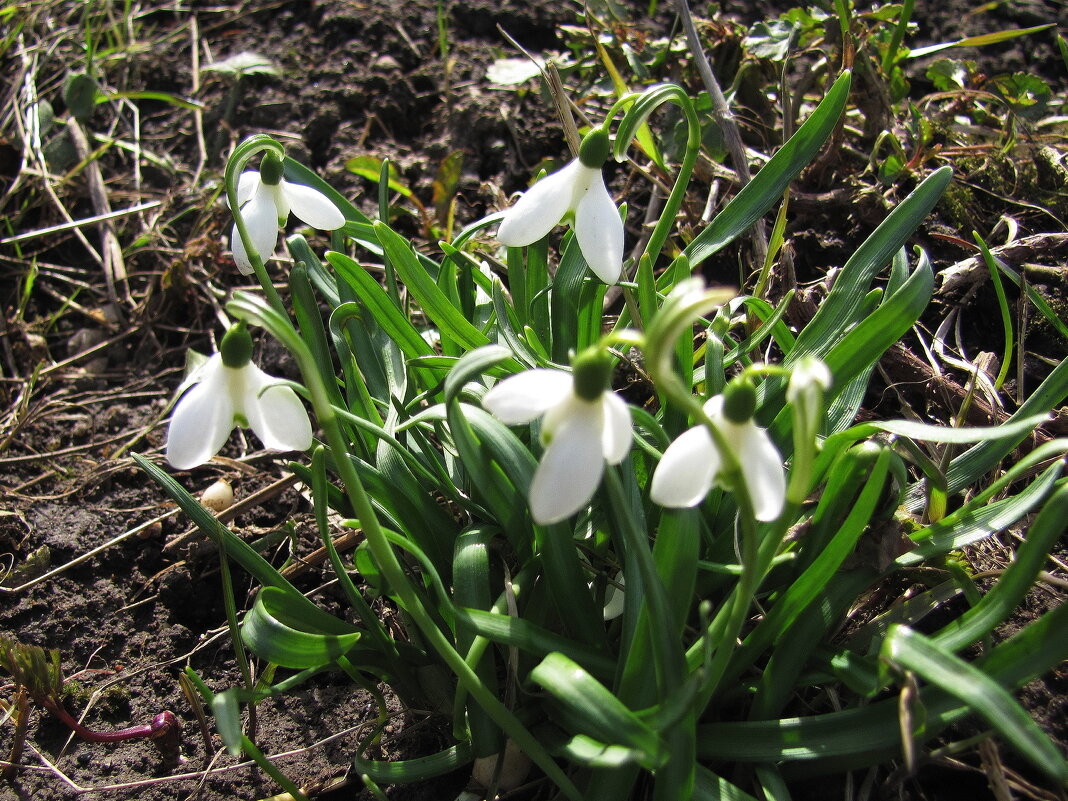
(808, 373)
(244, 263)
(527, 395)
(313, 207)
(202, 420)
(714, 408)
(540, 208)
(600, 231)
(763, 471)
(617, 434)
(274, 413)
(247, 184)
(569, 472)
(686, 470)
(614, 599)
(260, 215)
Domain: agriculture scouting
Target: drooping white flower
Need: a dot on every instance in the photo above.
(808, 376)
(582, 429)
(577, 190)
(265, 199)
(233, 391)
(692, 463)
(810, 380)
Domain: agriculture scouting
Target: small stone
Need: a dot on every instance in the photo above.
(386, 63)
(514, 770)
(218, 497)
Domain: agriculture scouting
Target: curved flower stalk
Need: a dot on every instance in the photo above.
(231, 391)
(692, 463)
(584, 425)
(264, 200)
(577, 191)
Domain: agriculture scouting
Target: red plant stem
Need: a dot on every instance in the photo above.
(161, 725)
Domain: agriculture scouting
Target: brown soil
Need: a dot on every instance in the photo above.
(356, 78)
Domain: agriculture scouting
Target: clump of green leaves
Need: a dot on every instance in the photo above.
(503, 617)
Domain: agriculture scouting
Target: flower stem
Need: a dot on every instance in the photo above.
(235, 633)
(252, 309)
(238, 159)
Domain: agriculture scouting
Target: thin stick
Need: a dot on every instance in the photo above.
(36, 147)
(253, 500)
(198, 113)
(114, 263)
(67, 226)
(724, 117)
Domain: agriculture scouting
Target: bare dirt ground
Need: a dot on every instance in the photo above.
(88, 368)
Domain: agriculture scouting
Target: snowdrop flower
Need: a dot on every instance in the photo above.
(692, 463)
(809, 381)
(576, 191)
(584, 425)
(233, 391)
(265, 199)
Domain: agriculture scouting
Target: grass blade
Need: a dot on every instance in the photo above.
(915, 652)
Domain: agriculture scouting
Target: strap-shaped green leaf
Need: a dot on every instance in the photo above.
(839, 308)
(415, 770)
(508, 326)
(872, 336)
(966, 469)
(767, 186)
(290, 647)
(227, 714)
(594, 754)
(977, 520)
(564, 299)
(307, 617)
(591, 709)
(913, 651)
(534, 639)
(470, 366)
(381, 306)
(802, 592)
(449, 319)
(471, 588)
(710, 787)
(1011, 587)
(870, 734)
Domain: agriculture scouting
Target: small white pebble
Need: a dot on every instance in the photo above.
(513, 772)
(218, 497)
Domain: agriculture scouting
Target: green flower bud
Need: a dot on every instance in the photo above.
(270, 169)
(594, 150)
(739, 400)
(236, 346)
(592, 370)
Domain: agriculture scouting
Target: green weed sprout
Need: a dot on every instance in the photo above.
(509, 484)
